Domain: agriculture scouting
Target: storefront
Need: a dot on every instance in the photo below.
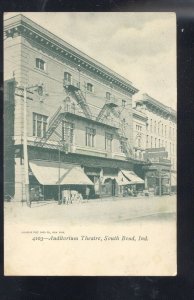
(54, 177)
(158, 181)
(94, 175)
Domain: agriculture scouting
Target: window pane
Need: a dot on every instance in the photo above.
(108, 95)
(39, 125)
(39, 129)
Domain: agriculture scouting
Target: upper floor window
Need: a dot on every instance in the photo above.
(67, 131)
(90, 87)
(169, 132)
(108, 141)
(67, 77)
(123, 146)
(90, 135)
(147, 141)
(40, 64)
(155, 142)
(165, 131)
(155, 126)
(123, 103)
(139, 142)
(138, 127)
(162, 129)
(151, 125)
(39, 125)
(108, 95)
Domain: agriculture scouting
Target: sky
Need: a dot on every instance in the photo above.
(139, 46)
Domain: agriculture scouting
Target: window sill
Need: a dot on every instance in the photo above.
(41, 71)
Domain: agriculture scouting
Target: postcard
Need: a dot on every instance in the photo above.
(90, 138)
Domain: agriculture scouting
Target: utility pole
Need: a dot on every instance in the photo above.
(59, 177)
(25, 150)
(25, 145)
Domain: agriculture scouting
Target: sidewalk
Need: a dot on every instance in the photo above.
(85, 201)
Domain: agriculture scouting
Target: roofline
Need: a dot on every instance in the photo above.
(158, 104)
(21, 20)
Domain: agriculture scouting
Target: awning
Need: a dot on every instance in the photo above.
(132, 177)
(47, 173)
(122, 180)
(173, 180)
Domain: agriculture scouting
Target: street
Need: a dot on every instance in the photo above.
(119, 236)
(110, 210)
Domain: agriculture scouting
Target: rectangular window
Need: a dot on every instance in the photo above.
(151, 141)
(123, 146)
(90, 136)
(67, 77)
(169, 132)
(108, 95)
(108, 141)
(165, 131)
(155, 142)
(39, 125)
(151, 125)
(155, 126)
(90, 87)
(123, 103)
(138, 128)
(40, 64)
(68, 132)
(147, 141)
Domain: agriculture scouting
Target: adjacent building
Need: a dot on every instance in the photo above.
(78, 112)
(155, 140)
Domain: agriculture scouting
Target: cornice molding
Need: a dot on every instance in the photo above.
(20, 25)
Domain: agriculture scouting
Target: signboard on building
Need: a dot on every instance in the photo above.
(156, 155)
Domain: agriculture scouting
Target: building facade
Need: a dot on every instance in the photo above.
(156, 134)
(139, 133)
(78, 112)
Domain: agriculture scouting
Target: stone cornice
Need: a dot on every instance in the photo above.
(139, 115)
(25, 27)
(155, 105)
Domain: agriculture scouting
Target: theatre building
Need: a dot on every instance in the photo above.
(78, 116)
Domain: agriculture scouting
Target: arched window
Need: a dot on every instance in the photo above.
(67, 77)
(40, 64)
